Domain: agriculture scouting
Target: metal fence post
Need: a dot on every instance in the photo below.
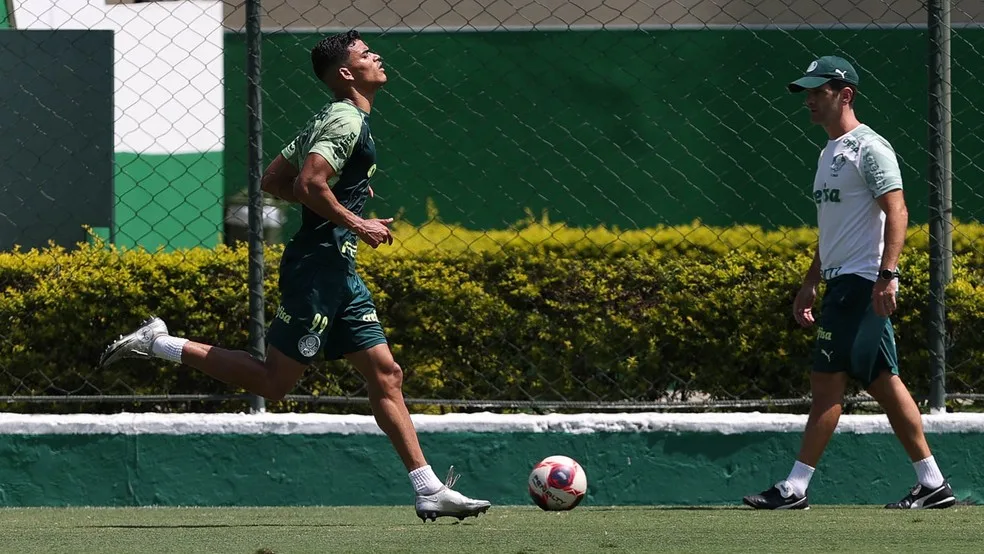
(940, 255)
(257, 321)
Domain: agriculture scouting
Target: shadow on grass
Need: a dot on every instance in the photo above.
(216, 526)
(665, 508)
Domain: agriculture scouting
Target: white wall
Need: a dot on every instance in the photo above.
(168, 68)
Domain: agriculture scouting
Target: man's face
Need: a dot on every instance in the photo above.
(365, 66)
(825, 104)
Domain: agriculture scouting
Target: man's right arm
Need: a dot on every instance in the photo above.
(813, 275)
(807, 295)
(311, 189)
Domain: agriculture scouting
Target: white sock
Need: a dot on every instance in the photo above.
(799, 478)
(928, 473)
(168, 348)
(424, 481)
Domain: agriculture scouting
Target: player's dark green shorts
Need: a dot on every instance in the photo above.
(851, 336)
(323, 308)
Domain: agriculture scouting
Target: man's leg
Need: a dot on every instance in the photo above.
(384, 379)
(357, 335)
(825, 410)
(272, 378)
(903, 414)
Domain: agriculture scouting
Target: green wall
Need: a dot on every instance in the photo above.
(623, 468)
(56, 159)
(168, 201)
(625, 128)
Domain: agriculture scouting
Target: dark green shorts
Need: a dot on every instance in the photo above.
(852, 337)
(323, 309)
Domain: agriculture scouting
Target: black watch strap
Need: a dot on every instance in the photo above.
(888, 274)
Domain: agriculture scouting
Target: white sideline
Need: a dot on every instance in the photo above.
(319, 424)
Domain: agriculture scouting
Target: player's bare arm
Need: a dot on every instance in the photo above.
(896, 221)
(311, 189)
(807, 295)
(278, 179)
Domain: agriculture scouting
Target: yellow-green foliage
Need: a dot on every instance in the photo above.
(543, 311)
(693, 239)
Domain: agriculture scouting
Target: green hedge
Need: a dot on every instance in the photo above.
(543, 312)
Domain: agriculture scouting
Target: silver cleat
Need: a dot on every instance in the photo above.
(135, 345)
(449, 503)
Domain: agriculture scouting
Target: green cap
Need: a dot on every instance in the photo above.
(823, 70)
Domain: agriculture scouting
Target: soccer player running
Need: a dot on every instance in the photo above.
(325, 304)
(862, 219)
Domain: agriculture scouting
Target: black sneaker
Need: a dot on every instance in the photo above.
(779, 497)
(924, 498)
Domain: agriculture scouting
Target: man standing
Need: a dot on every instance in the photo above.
(862, 219)
(325, 304)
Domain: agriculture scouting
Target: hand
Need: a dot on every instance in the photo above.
(803, 305)
(371, 193)
(883, 296)
(375, 231)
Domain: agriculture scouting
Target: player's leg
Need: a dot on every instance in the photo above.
(837, 325)
(384, 381)
(272, 378)
(358, 336)
(827, 389)
(294, 337)
(875, 351)
(903, 414)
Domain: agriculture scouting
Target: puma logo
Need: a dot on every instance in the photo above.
(841, 72)
(827, 354)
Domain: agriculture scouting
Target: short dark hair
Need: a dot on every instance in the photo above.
(837, 85)
(331, 52)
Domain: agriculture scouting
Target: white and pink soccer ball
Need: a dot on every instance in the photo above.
(558, 483)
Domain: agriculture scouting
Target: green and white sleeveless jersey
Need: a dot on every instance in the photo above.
(852, 172)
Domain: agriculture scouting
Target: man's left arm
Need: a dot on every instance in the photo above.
(896, 223)
(881, 173)
(896, 220)
(278, 179)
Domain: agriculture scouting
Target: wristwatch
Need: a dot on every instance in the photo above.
(888, 274)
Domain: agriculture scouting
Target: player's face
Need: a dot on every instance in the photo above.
(825, 104)
(366, 66)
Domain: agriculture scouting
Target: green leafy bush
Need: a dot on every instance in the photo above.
(541, 312)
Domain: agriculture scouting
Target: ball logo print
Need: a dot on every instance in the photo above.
(813, 65)
(557, 483)
(560, 477)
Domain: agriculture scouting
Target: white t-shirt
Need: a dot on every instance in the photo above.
(852, 172)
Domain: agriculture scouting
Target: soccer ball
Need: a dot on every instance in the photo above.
(558, 483)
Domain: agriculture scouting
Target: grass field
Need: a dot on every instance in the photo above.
(512, 530)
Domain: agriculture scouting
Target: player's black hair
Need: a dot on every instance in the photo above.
(837, 85)
(330, 52)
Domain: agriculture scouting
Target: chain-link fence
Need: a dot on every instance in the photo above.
(600, 205)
